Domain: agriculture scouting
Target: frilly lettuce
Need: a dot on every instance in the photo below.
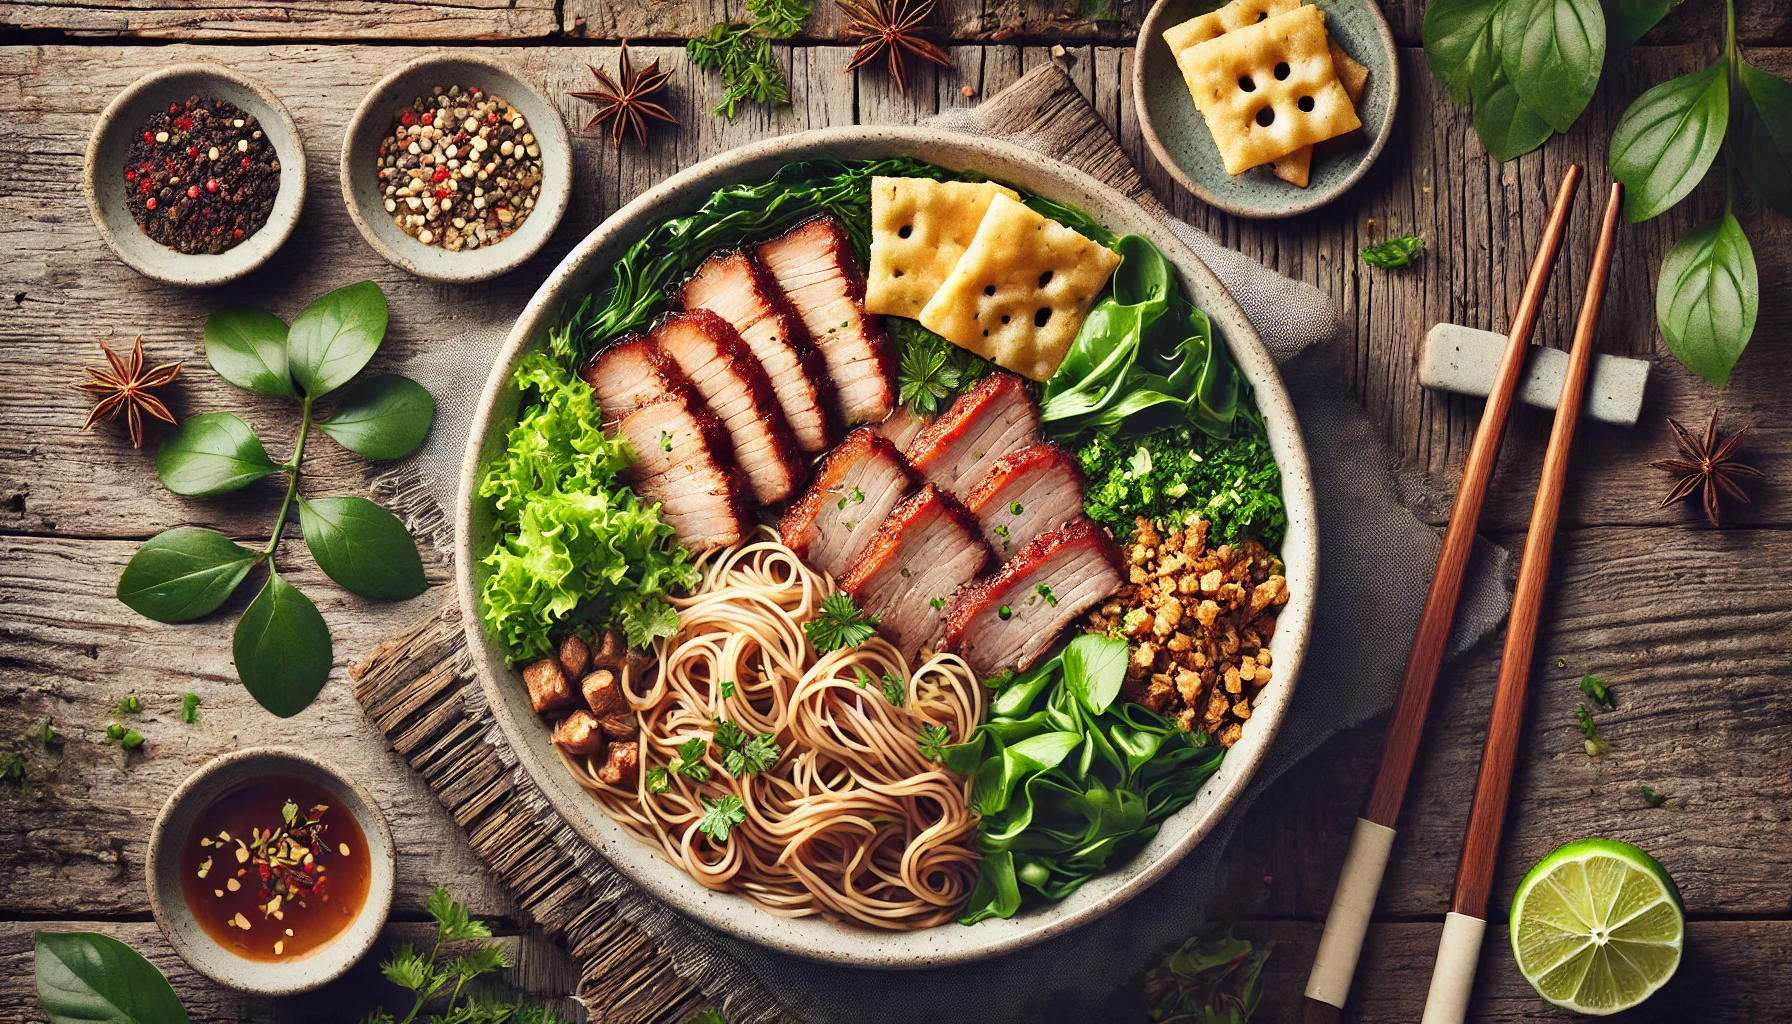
(573, 543)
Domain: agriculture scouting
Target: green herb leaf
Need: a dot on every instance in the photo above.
(1458, 38)
(363, 547)
(1664, 144)
(1763, 141)
(750, 69)
(88, 978)
(1708, 296)
(931, 371)
(453, 922)
(778, 18)
(1651, 797)
(334, 337)
(755, 755)
(728, 734)
(282, 648)
(861, 676)
(408, 969)
(895, 689)
(212, 453)
(128, 706)
(1590, 732)
(1626, 21)
(1094, 669)
(189, 708)
(648, 619)
(1046, 592)
(184, 573)
(1395, 252)
(721, 816)
(933, 741)
(1553, 51)
(247, 347)
(1508, 127)
(382, 417)
(1595, 689)
(659, 779)
(839, 623)
(727, 688)
(690, 759)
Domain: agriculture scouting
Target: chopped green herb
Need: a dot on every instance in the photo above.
(1002, 532)
(659, 780)
(839, 623)
(853, 495)
(1395, 252)
(728, 735)
(665, 440)
(189, 708)
(1596, 691)
(1594, 744)
(1004, 613)
(1233, 483)
(721, 816)
(749, 67)
(933, 742)
(727, 688)
(1651, 797)
(1561, 663)
(938, 603)
(895, 689)
(690, 759)
(755, 755)
(129, 739)
(778, 18)
(931, 371)
(1046, 592)
(128, 706)
(863, 677)
(1015, 508)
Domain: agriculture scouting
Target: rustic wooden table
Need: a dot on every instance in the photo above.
(1690, 625)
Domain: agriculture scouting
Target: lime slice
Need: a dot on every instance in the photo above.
(1597, 926)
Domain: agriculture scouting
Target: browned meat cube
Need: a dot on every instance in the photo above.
(620, 727)
(623, 767)
(548, 688)
(1009, 620)
(1027, 493)
(629, 374)
(861, 481)
(684, 462)
(987, 422)
(603, 693)
(927, 548)
(574, 656)
(579, 734)
(818, 272)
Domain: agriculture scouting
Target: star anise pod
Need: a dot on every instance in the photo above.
(126, 389)
(890, 27)
(626, 106)
(1710, 466)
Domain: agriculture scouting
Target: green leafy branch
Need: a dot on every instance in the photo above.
(743, 54)
(282, 647)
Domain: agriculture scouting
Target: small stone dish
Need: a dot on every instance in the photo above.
(173, 830)
(364, 193)
(110, 145)
(1178, 137)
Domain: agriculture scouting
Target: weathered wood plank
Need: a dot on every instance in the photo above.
(293, 19)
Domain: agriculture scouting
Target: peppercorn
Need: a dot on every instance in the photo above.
(175, 157)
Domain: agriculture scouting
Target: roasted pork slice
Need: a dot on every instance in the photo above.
(629, 373)
(1027, 493)
(734, 286)
(815, 266)
(925, 550)
(684, 462)
(859, 483)
(731, 382)
(903, 426)
(1008, 620)
(987, 422)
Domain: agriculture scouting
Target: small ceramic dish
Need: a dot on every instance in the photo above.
(364, 193)
(1178, 136)
(174, 829)
(110, 145)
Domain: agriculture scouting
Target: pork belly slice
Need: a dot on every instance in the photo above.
(1027, 493)
(925, 550)
(819, 273)
(858, 485)
(903, 426)
(1008, 620)
(630, 373)
(683, 461)
(731, 382)
(985, 423)
(734, 286)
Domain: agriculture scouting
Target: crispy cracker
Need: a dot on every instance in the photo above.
(1019, 293)
(1230, 18)
(1294, 167)
(940, 218)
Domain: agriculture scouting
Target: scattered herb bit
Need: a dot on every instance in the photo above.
(45, 733)
(727, 688)
(938, 603)
(1395, 252)
(1004, 613)
(690, 759)
(839, 623)
(721, 816)
(933, 742)
(778, 18)
(1233, 483)
(743, 54)
(189, 708)
(1015, 508)
(1002, 532)
(1595, 689)
(931, 371)
(128, 706)
(1651, 797)
(1045, 591)
(129, 739)
(863, 677)
(1710, 469)
(624, 100)
(665, 440)
(15, 767)
(853, 495)
(1594, 744)
(659, 780)
(895, 689)
(125, 389)
(201, 176)
(728, 734)
(891, 29)
(755, 754)
(1561, 663)
(1218, 982)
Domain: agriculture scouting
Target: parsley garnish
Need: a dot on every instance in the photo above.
(853, 495)
(938, 603)
(778, 18)
(1395, 252)
(755, 755)
(189, 708)
(1595, 689)
(721, 816)
(1002, 532)
(1651, 797)
(690, 759)
(933, 742)
(931, 371)
(727, 688)
(1015, 508)
(863, 677)
(895, 689)
(1595, 746)
(839, 623)
(728, 735)
(1046, 592)
(743, 54)
(658, 779)
(665, 440)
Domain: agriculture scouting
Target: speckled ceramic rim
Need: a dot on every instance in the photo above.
(365, 200)
(1150, 48)
(109, 146)
(166, 901)
(814, 937)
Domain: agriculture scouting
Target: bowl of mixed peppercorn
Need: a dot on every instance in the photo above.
(456, 169)
(195, 175)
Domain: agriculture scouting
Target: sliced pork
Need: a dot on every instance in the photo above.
(816, 268)
(731, 382)
(684, 462)
(926, 549)
(733, 285)
(987, 422)
(1009, 620)
(903, 426)
(629, 373)
(858, 485)
(1027, 493)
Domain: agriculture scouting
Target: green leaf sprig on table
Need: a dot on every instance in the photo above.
(744, 56)
(1208, 982)
(282, 647)
(462, 981)
(1395, 252)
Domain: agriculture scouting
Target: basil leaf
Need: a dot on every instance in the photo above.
(247, 347)
(383, 417)
(1664, 144)
(1708, 296)
(184, 573)
(282, 648)
(213, 453)
(1458, 38)
(1507, 127)
(88, 978)
(1763, 145)
(1626, 21)
(997, 892)
(363, 547)
(1552, 52)
(1094, 668)
(334, 337)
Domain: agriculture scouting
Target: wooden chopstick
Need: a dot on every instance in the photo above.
(1328, 986)
(1454, 974)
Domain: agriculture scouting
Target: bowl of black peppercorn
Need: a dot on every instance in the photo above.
(195, 175)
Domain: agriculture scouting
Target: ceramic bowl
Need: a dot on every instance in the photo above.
(172, 831)
(364, 193)
(110, 145)
(1178, 136)
(585, 268)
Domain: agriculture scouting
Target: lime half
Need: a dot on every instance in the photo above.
(1597, 926)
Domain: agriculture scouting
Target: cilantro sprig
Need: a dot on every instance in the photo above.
(839, 623)
(933, 742)
(895, 689)
(720, 816)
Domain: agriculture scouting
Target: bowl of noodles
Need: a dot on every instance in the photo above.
(728, 729)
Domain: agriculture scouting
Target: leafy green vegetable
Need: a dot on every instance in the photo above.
(1234, 484)
(1395, 252)
(1667, 140)
(1595, 689)
(1065, 792)
(1651, 797)
(931, 371)
(363, 547)
(721, 816)
(212, 453)
(382, 417)
(1708, 296)
(1218, 982)
(1143, 359)
(183, 574)
(573, 543)
(778, 18)
(332, 339)
(282, 648)
(247, 347)
(839, 623)
(89, 978)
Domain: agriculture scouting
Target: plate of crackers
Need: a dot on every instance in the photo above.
(1266, 108)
